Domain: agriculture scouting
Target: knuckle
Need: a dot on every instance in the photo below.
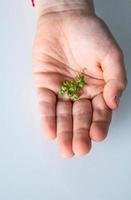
(82, 130)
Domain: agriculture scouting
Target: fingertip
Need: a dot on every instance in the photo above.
(112, 93)
(67, 155)
(116, 102)
(112, 103)
(48, 128)
(65, 149)
(50, 136)
(81, 147)
(98, 132)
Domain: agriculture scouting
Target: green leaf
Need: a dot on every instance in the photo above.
(81, 84)
(66, 83)
(75, 97)
(69, 94)
(73, 87)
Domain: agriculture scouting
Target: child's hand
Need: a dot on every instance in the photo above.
(65, 43)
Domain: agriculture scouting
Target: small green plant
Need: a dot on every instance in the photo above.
(72, 88)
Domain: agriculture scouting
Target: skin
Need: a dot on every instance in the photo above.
(66, 43)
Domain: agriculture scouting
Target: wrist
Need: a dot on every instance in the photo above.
(49, 6)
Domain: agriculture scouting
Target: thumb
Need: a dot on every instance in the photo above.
(115, 77)
(112, 93)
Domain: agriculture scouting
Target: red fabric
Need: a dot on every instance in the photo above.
(33, 3)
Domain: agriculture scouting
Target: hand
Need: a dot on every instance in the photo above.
(65, 43)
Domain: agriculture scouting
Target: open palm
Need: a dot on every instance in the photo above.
(66, 43)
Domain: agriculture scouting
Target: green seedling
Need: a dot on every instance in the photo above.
(72, 88)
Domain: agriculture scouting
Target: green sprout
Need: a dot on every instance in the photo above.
(72, 88)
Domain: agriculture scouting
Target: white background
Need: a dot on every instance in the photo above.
(30, 165)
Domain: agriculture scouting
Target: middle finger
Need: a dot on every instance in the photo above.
(82, 117)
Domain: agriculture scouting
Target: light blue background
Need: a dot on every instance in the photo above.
(30, 165)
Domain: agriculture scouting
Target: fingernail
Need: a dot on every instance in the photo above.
(117, 100)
